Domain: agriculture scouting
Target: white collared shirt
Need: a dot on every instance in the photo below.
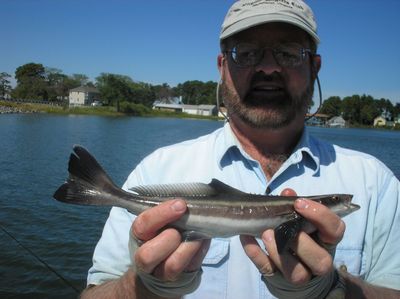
(370, 245)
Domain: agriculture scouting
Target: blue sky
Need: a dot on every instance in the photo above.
(172, 41)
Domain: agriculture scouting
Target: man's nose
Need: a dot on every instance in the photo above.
(268, 63)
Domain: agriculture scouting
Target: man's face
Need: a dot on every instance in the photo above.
(267, 95)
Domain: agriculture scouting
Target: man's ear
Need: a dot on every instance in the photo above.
(316, 62)
(220, 62)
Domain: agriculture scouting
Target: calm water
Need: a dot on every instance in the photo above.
(34, 151)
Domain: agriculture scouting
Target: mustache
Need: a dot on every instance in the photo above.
(261, 77)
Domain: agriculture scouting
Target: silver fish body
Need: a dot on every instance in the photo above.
(214, 209)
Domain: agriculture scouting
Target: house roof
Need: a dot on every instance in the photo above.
(85, 89)
(170, 106)
(337, 118)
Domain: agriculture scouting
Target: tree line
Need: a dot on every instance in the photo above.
(37, 82)
(360, 109)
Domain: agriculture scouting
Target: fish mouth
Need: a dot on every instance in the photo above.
(353, 207)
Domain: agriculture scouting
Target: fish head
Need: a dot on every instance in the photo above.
(347, 208)
(340, 204)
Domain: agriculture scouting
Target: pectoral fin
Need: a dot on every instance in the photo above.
(193, 236)
(287, 231)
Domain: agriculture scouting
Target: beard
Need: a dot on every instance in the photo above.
(266, 110)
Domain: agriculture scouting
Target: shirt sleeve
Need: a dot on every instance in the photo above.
(384, 251)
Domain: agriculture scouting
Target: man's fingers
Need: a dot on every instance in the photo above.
(330, 227)
(257, 256)
(147, 224)
(290, 266)
(317, 259)
(288, 192)
(156, 250)
(181, 260)
(197, 260)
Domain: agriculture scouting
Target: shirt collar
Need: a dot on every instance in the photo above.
(305, 151)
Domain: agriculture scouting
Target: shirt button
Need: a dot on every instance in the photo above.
(268, 191)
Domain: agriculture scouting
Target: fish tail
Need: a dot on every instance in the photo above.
(88, 183)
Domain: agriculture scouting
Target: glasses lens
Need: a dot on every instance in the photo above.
(286, 55)
(246, 54)
(289, 55)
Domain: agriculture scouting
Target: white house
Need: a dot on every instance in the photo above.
(168, 107)
(380, 121)
(336, 122)
(83, 96)
(207, 110)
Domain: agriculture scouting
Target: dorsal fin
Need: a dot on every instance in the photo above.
(223, 188)
(186, 189)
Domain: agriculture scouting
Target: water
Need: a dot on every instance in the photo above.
(34, 152)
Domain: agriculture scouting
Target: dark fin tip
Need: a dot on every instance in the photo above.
(286, 232)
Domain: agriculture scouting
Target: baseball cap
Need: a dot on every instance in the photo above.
(245, 14)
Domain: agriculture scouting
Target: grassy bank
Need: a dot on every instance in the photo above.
(130, 110)
(103, 111)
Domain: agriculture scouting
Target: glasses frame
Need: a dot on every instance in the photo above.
(274, 50)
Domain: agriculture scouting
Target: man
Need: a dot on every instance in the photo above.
(268, 65)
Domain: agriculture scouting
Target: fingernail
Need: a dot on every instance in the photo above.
(301, 204)
(179, 206)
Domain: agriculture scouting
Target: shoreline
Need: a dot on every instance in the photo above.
(14, 110)
(7, 107)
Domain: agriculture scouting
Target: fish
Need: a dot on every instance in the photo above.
(214, 210)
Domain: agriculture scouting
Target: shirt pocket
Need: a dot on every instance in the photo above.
(218, 252)
(215, 272)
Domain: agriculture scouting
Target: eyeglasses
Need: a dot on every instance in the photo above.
(286, 55)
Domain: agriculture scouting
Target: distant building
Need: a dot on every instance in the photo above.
(318, 119)
(380, 121)
(168, 100)
(336, 122)
(206, 110)
(397, 119)
(83, 96)
(168, 107)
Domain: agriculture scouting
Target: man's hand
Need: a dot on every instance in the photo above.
(162, 254)
(308, 256)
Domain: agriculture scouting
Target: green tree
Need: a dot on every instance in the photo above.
(386, 108)
(114, 88)
(396, 110)
(57, 84)
(163, 91)
(368, 114)
(351, 107)
(81, 80)
(332, 106)
(368, 110)
(31, 82)
(197, 92)
(143, 93)
(5, 86)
